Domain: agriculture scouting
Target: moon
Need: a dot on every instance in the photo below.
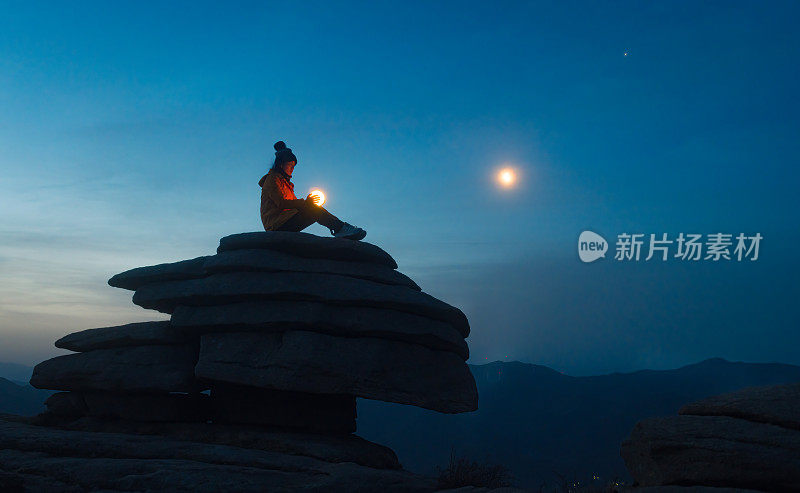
(506, 177)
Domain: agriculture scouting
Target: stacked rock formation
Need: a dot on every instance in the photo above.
(747, 439)
(284, 329)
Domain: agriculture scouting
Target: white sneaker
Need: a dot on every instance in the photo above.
(350, 232)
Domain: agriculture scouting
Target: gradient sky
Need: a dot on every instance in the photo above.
(134, 133)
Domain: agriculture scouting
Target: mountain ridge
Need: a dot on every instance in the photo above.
(543, 423)
(18, 399)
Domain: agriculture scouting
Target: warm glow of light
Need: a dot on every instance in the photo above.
(507, 177)
(318, 193)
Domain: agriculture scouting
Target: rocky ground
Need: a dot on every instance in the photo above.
(96, 457)
(115, 456)
(747, 439)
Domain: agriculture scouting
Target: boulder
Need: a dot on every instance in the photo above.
(135, 278)
(278, 316)
(131, 369)
(135, 334)
(308, 245)
(717, 451)
(316, 363)
(34, 455)
(273, 261)
(774, 404)
(234, 287)
(239, 404)
(137, 407)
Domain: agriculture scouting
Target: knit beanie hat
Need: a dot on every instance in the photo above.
(283, 154)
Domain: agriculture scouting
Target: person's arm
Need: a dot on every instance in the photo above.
(277, 197)
(291, 203)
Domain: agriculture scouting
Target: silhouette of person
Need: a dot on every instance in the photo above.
(281, 210)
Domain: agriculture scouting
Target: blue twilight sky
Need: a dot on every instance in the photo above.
(134, 133)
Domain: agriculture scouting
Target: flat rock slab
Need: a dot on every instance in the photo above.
(134, 369)
(239, 404)
(323, 446)
(308, 245)
(304, 361)
(136, 407)
(135, 334)
(714, 451)
(278, 316)
(220, 289)
(255, 260)
(96, 461)
(773, 404)
(135, 278)
(275, 261)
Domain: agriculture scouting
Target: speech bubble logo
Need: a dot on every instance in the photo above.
(591, 246)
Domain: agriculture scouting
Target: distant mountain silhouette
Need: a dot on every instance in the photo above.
(15, 372)
(21, 399)
(538, 421)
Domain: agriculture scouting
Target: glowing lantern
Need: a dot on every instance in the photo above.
(320, 196)
(506, 177)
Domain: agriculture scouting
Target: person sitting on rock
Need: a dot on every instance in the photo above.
(281, 210)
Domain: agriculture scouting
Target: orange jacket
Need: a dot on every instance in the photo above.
(278, 202)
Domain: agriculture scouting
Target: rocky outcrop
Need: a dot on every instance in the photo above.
(256, 261)
(135, 334)
(323, 446)
(243, 404)
(347, 321)
(37, 458)
(278, 334)
(316, 363)
(308, 246)
(745, 439)
(164, 368)
(776, 405)
(232, 287)
(175, 271)
(131, 406)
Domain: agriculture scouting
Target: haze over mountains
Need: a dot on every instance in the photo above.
(15, 372)
(540, 422)
(535, 420)
(21, 399)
